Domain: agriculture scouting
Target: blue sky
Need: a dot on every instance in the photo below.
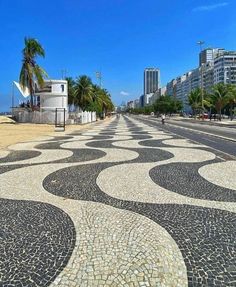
(118, 37)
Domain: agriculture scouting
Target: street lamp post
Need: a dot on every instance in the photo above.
(12, 98)
(200, 43)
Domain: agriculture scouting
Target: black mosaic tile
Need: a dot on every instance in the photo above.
(107, 133)
(100, 137)
(37, 240)
(6, 168)
(101, 144)
(183, 178)
(145, 154)
(205, 236)
(19, 155)
(156, 143)
(140, 136)
(50, 145)
(139, 132)
(82, 154)
(86, 175)
(61, 138)
(149, 155)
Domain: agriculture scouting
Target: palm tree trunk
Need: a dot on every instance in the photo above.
(231, 111)
(31, 95)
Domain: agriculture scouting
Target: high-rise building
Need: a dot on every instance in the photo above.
(208, 76)
(171, 88)
(208, 55)
(215, 66)
(151, 80)
(225, 68)
(136, 103)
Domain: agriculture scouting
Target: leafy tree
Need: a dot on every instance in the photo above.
(167, 104)
(220, 96)
(195, 100)
(231, 99)
(30, 70)
(175, 105)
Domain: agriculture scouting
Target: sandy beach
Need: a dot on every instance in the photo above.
(15, 133)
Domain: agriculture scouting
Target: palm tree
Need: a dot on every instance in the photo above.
(83, 92)
(219, 96)
(31, 71)
(231, 99)
(107, 105)
(71, 91)
(195, 100)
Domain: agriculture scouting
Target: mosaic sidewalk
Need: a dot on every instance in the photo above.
(123, 204)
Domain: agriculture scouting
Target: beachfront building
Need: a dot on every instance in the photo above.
(171, 88)
(151, 84)
(50, 101)
(130, 104)
(208, 76)
(209, 54)
(54, 94)
(137, 103)
(225, 68)
(216, 65)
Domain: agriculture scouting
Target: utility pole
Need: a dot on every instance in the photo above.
(99, 77)
(200, 43)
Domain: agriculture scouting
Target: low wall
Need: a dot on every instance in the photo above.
(37, 117)
(23, 115)
(83, 117)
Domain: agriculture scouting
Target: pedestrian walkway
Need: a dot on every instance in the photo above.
(122, 204)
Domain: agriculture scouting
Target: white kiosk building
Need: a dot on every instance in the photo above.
(51, 102)
(51, 106)
(53, 96)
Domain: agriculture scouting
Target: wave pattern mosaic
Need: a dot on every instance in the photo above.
(122, 204)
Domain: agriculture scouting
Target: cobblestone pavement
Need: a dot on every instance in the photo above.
(122, 204)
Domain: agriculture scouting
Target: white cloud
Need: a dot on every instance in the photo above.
(210, 7)
(123, 93)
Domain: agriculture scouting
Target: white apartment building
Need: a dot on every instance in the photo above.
(208, 76)
(179, 84)
(225, 68)
(130, 104)
(136, 103)
(209, 54)
(215, 66)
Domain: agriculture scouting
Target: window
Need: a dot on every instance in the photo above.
(62, 88)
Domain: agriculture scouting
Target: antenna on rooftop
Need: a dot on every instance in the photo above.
(99, 77)
(63, 74)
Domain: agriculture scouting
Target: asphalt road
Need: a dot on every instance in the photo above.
(204, 134)
(209, 127)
